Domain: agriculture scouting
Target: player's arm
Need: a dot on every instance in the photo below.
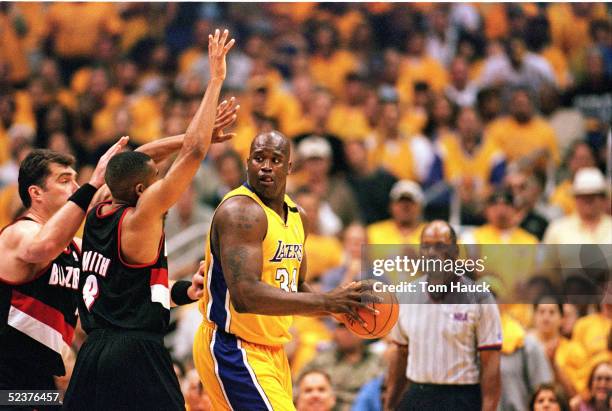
(160, 196)
(396, 380)
(38, 245)
(490, 379)
(240, 226)
(186, 292)
(160, 150)
(225, 116)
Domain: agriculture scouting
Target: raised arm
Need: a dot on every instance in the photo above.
(160, 150)
(225, 116)
(243, 225)
(43, 245)
(160, 196)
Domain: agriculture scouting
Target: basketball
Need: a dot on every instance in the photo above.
(377, 325)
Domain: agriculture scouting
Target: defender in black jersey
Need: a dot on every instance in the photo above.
(125, 302)
(39, 272)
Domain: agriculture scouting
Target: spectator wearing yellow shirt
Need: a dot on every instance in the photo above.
(347, 119)
(417, 66)
(569, 26)
(405, 225)
(329, 64)
(189, 58)
(567, 358)
(12, 51)
(502, 225)
(324, 251)
(592, 333)
(388, 147)
(600, 386)
(580, 155)
(471, 164)
(509, 249)
(75, 28)
(523, 134)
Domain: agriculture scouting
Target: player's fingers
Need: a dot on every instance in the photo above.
(227, 115)
(369, 308)
(355, 316)
(222, 106)
(224, 37)
(228, 46)
(371, 298)
(222, 123)
(225, 137)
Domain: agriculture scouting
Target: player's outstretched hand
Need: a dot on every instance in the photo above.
(217, 50)
(349, 299)
(196, 289)
(97, 177)
(226, 116)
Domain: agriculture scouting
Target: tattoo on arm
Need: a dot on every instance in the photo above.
(235, 263)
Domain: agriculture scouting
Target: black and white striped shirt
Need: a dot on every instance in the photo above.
(445, 337)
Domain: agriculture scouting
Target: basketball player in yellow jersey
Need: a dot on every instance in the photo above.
(255, 271)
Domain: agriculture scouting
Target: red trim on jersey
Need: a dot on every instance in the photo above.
(43, 313)
(108, 213)
(491, 347)
(161, 242)
(159, 276)
(77, 248)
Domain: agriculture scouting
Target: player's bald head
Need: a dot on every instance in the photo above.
(271, 139)
(439, 231)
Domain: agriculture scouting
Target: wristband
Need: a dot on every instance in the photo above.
(82, 197)
(179, 293)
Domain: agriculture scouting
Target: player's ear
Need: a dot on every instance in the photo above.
(140, 188)
(35, 192)
(290, 167)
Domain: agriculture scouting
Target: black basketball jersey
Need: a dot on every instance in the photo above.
(115, 294)
(38, 317)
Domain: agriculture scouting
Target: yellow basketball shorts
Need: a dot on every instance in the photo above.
(239, 375)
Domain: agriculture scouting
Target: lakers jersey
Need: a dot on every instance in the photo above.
(282, 251)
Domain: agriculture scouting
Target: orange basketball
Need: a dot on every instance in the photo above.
(377, 325)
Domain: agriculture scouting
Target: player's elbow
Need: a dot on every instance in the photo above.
(241, 300)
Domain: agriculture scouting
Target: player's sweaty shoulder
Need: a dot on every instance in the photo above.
(241, 215)
(19, 232)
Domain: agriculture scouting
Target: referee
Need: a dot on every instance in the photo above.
(446, 352)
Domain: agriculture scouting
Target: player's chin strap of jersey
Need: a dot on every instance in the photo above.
(179, 293)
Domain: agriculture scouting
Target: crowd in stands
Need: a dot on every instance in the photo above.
(492, 116)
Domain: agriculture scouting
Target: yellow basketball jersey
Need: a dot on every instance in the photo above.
(282, 250)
